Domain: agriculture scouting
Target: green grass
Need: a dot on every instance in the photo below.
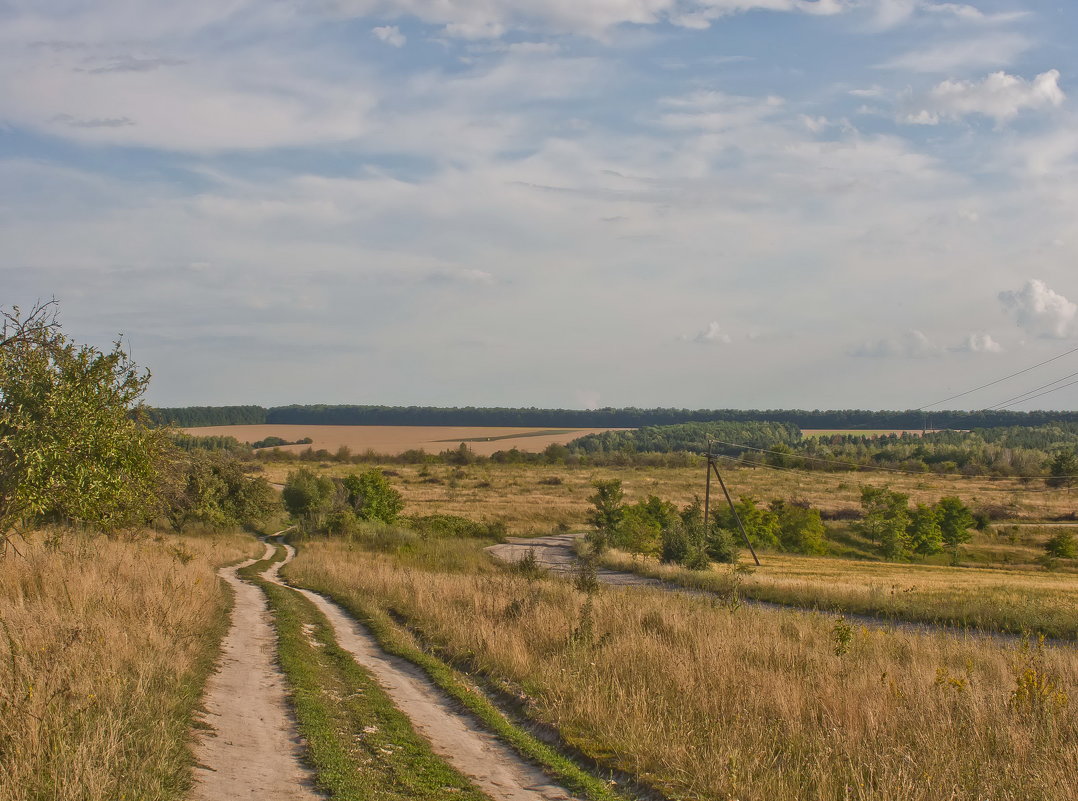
(394, 640)
(361, 746)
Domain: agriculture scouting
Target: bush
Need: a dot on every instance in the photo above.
(1062, 545)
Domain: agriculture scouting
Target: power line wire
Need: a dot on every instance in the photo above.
(1049, 392)
(1017, 398)
(997, 381)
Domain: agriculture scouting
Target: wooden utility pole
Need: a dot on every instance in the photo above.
(712, 466)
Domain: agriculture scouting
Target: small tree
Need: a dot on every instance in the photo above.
(760, 523)
(1063, 469)
(373, 497)
(213, 490)
(886, 520)
(307, 495)
(1062, 545)
(607, 513)
(925, 534)
(75, 444)
(800, 528)
(955, 521)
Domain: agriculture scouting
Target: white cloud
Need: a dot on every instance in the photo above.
(996, 50)
(892, 13)
(979, 342)
(999, 96)
(483, 19)
(912, 344)
(713, 334)
(1041, 311)
(390, 34)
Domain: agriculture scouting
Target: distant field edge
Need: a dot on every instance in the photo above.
(394, 440)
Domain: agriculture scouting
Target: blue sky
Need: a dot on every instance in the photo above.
(704, 203)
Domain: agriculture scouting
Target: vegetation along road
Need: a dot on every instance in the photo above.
(255, 747)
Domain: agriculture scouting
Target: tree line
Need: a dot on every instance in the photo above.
(630, 417)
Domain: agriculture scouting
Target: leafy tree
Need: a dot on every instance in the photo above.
(73, 443)
(1062, 469)
(886, 520)
(925, 534)
(800, 528)
(214, 490)
(607, 513)
(642, 524)
(307, 495)
(1062, 545)
(955, 520)
(761, 524)
(372, 496)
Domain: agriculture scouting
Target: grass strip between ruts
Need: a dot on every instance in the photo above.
(361, 746)
(392, 640)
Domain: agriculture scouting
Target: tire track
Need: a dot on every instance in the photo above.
(489, 763)
(252, 749)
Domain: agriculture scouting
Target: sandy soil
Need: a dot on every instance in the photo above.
(252, 750)
(492, 766)
(397, 439)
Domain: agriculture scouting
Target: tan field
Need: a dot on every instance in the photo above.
(393, 440)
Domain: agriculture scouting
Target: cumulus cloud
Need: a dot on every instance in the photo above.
(1041, 311)
(979, 342)
(390, 34)
(912, 344)
(999, 96)
(712, 335)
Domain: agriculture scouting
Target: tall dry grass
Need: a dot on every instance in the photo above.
(708, 702)
(104, 646)
(1014, 601)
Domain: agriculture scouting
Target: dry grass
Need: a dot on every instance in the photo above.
(393, 440)
(522, 497)
(104, 646)
(991, 599)
(709, 703)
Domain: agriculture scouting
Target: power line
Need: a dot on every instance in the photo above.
(997, 381)
(1017, 398)
(1049, 392)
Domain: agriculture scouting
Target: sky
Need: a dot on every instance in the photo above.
(567, 203)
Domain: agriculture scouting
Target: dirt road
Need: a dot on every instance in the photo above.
(252, 749)
(492, 766)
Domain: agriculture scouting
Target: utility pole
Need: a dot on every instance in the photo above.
(712, 466)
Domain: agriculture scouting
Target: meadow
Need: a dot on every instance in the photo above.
(710, 700)
(105, 644)
(394, 440)
(538, 498)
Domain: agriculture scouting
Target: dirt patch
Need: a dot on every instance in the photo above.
(252, 749)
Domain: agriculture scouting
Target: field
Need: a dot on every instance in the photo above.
(397, 439)
(709, 701)
(105, 644)
(538, 498)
